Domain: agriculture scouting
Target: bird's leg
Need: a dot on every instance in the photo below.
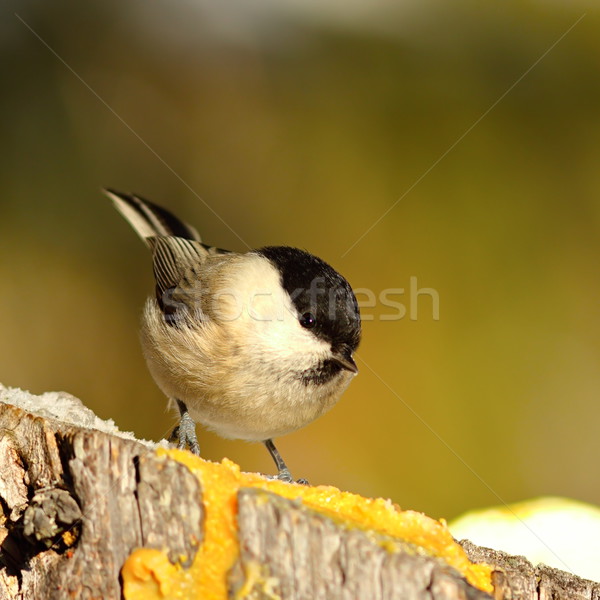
(185, 433)
(283, 472)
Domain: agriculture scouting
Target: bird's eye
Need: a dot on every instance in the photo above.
(308, 320)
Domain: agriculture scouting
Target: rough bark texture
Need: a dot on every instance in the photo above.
(330, 562)
(77, 496)
(75, 503)
(515, 578)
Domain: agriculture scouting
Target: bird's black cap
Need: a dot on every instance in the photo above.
(318, 290)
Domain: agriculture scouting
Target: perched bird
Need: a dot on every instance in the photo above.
(251, 345)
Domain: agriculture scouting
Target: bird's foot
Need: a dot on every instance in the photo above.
(184, 435)
(283, 472)
(286, 477)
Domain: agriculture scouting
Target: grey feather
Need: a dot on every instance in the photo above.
(175, 259)
(178, 255)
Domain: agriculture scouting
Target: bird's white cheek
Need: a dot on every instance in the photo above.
(265, 306)
(258, 305)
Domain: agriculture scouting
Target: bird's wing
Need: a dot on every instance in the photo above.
(177, 252)
(180, 270)
(176, 261)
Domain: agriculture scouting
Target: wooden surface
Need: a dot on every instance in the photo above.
(124, 497)
(76, 501)
(515, 578)
(310, 557)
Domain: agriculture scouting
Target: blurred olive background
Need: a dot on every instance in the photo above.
(306, 124)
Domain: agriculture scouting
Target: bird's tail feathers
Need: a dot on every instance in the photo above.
(150, 220)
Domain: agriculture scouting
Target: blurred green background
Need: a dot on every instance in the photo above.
(302, 123)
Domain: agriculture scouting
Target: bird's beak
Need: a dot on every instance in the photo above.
(346, 362)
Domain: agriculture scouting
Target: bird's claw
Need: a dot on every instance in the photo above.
(184, 435)
(286, 477)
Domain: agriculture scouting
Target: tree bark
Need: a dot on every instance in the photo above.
(77, 497)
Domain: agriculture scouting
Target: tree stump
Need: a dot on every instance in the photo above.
(77, 497)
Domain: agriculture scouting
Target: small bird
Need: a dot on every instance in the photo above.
(251, 345)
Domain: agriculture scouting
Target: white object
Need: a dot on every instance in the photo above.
(558, 532)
